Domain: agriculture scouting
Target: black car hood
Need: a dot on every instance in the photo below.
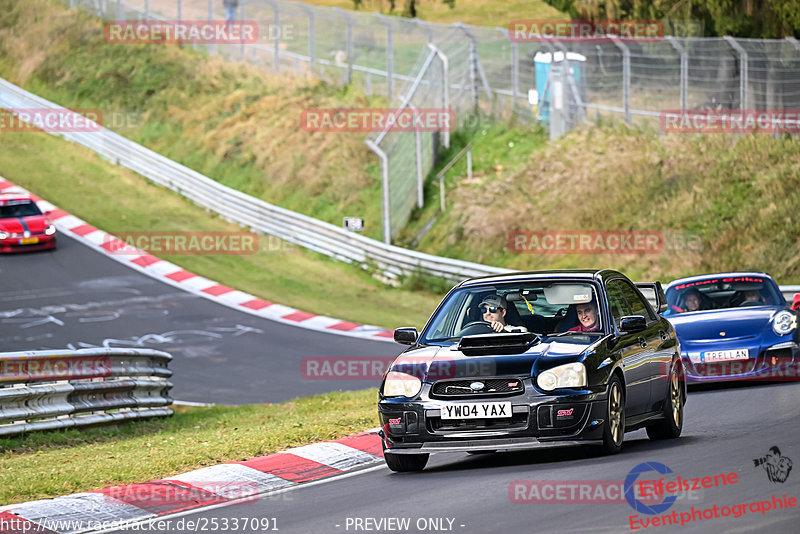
(432, 363)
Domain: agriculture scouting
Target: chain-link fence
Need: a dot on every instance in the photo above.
(489, 72)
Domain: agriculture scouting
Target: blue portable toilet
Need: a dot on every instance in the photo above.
(543, 63)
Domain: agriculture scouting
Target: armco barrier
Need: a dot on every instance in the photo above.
(45, 390)
(256, 214)
(250, 212)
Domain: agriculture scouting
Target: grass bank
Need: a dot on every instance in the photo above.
(49, 464)
(722, 202)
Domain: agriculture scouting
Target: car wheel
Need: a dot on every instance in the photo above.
(670, 427)
(614, 429)
(404, 463)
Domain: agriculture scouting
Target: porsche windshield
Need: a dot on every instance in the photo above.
(722, 292)
(543, 307)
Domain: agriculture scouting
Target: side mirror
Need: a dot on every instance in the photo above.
(406, 336)
(796, 302)
(632, 323)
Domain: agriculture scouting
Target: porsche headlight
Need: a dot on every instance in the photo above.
(571, 375)
(784, 323)
(50, 230)
(401, 385)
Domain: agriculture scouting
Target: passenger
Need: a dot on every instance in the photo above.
(493, 309)
(693, 300)
(752, 295)
(588, 317)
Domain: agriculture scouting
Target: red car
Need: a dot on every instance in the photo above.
(23, 226)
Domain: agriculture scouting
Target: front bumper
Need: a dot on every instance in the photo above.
(775, 362)
(538, 420)
(15, 244)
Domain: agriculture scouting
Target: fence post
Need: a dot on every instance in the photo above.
(210, 46)
(626, 78)
(242, 17)
(743, 99)
(445, 89)
(684, 70)
(120, 11)
(389, 55)
(418, 151)
(276, 58)
(349, 43)
(425, 27)
(387, 231)
(473, 89)
(180, 10)
(146, 9)
(312, 34)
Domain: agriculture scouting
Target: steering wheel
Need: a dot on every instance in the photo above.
(750, 303)
(476, 327)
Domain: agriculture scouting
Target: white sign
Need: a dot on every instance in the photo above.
(354, 224)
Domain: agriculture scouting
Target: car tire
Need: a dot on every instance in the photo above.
(614, 428)
(406, 463)
(671, 425)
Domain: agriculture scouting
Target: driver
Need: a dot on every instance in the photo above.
(752, 295)
(493, 309)
(588, 317)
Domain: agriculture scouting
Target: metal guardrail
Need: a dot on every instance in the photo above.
(257, 214)
(50, 389)
(247, 211)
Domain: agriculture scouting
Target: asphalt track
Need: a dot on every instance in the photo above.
(726, 428)
(74, 297)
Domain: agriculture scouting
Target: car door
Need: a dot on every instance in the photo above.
(651, 340)
(630, 347)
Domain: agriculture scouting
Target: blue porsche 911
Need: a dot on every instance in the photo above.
(733, 326)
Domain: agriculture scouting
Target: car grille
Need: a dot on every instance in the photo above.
(449, 389)
(437, 424)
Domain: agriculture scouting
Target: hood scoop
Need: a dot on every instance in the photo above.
(502, 343)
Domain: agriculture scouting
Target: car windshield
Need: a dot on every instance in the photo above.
(722, 292)
(18, 208)
(542, 307)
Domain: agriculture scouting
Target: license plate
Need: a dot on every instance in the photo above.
(28, 240)
(724, 355)
(477, 410)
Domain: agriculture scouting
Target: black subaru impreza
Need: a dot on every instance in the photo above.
(522, 360)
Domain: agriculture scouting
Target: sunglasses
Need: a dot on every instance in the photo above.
(493, 309)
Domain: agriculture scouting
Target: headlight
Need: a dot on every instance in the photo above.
(401, 385)
(784, 323)
(571, 375)
(50, 230)
(3, 235)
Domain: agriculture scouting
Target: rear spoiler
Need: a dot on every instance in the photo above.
(655, 294)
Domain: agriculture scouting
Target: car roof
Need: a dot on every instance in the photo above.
(573, 274)
(726, 275)
(9, 197)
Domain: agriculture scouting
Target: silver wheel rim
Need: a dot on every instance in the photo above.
(675, 397)
(615, 413)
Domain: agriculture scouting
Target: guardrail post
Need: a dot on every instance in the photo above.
(744, 102)
(387, 230)
(445, 90)
(348, 43)
(795, 43)
(684, 70)
(276, 53)
(389, 55)
(312, 35)
(626, 78)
